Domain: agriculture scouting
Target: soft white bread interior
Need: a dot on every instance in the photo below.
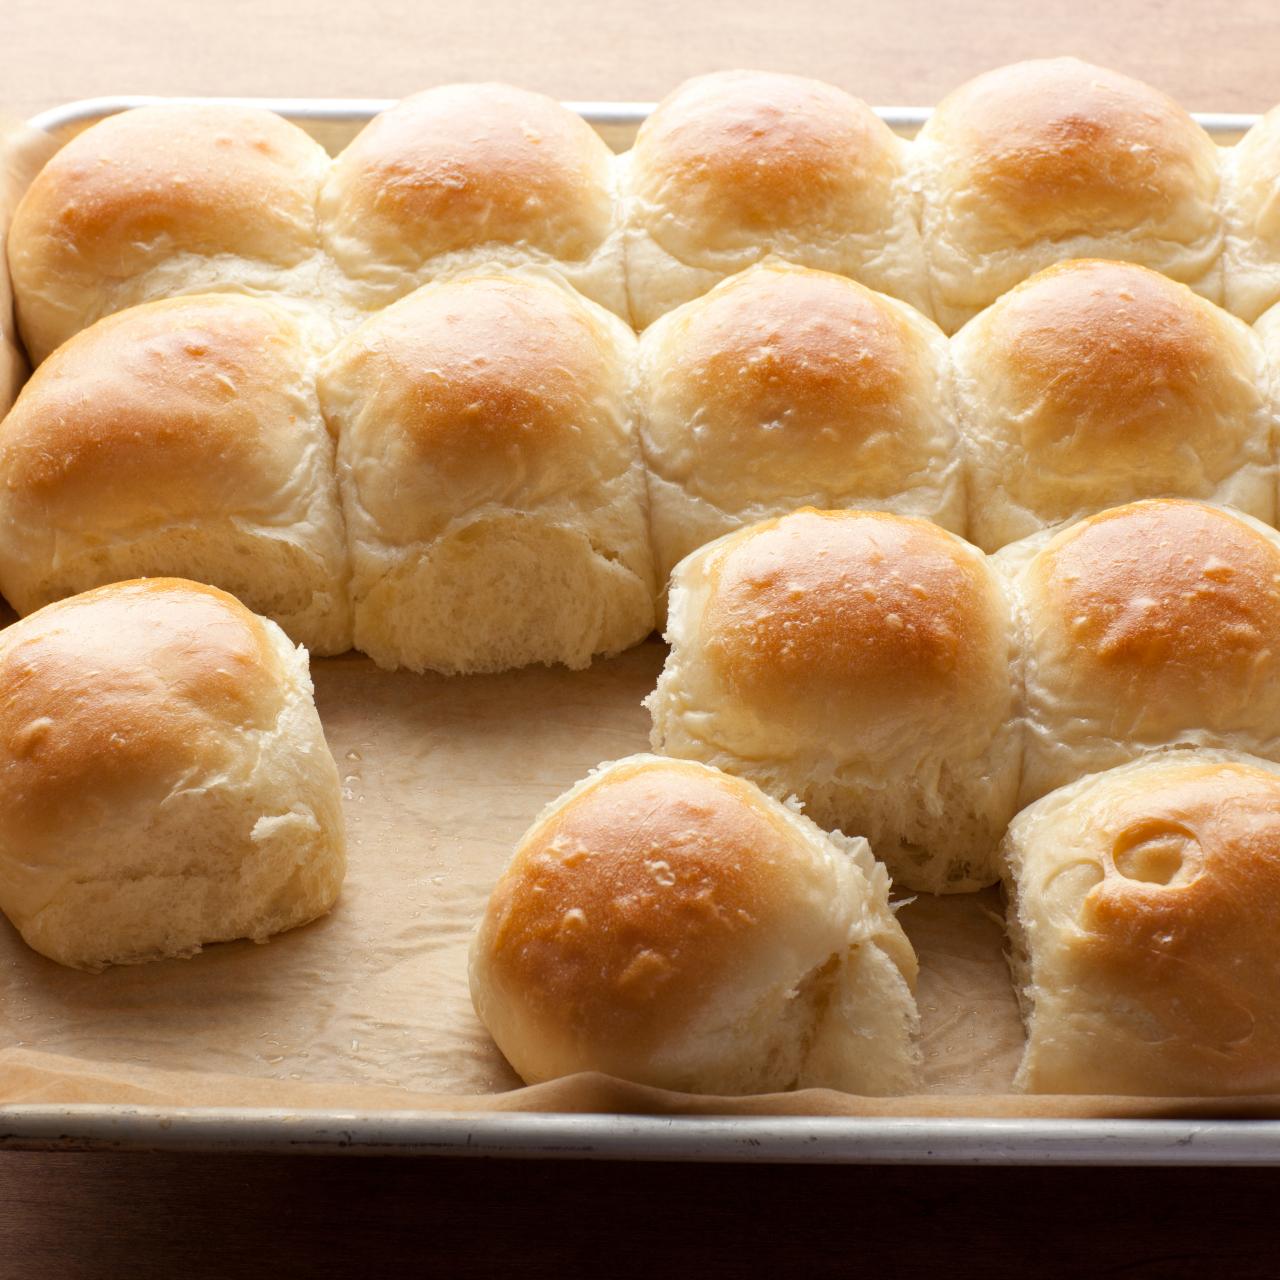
(164, 779)
(1096, 383)
(183, 438)
(737, 165)
(1051, 159)
(1148, 625)
(671, 925)
(1251, 199)
(468, 174)
(862, 662)
(160, 201)
(1143, 908)
(786, 387)
(491, 478)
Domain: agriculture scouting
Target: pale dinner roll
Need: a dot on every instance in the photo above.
(738, 165)
(1143, 909)
(160, 201)
(785, 387)
(670, 925)
(468, 174)
(864, 663)
(1095, 383)
(164, 780)
(1052, 159)
(491, 478)
(1251, 198)
(1149, 625)
(184, 438)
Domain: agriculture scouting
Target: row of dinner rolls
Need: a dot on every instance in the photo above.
(672, 925)
(493, 471)
(911, 690)
(1022, 167)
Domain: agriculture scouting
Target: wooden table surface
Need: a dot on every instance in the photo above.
(72, 1216)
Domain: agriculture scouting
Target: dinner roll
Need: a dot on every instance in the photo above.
(862, 662)
(738, 165)
(491, 478)
(467, 174)
(1152, 624)
(668, 924)
(1143, 908)
(1052, 159)
(164, 780)
(1095, 383)
(785, 387)
(179, 437)
(160, 201)
(1251, 197)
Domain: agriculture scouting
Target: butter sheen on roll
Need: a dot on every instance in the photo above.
(164, 779)
(465, 175)
(864, 663)
(1096, 383)
(673, 926)
(160, 201)
(785, 387)
(1143, 904)
(736, 166)
(181, 437)
(1149, 625)
(1051, 159)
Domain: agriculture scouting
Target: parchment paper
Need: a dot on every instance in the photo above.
(369, 1008)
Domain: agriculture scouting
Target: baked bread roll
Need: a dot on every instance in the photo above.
(468, 174)
(160, 201)
(491, 478)
(179, 437)
(1149, 625)
(1251, 198)
(862, 662)
(1053, 159)
(1143, 908)
(1095, 383)
(668, 924)
(785, 387)
(164, 780)
(738, 165)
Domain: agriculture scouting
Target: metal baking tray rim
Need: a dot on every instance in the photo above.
(542, 1135)
(721, 1139)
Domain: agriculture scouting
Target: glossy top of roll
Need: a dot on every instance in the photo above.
(111, 697)
(739, 158)
(488, 388)
(464, 165)
(846, 611)
(784, 380)
(1058, 147)
(189, 405)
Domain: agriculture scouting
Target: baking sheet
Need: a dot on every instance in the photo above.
(367, 1012)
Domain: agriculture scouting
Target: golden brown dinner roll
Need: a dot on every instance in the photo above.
(1095, 383)
(468, 174)
(179, 437)
(1251, 198)
(1053, 159)
(1143, 909)
(164, 780)
(491, 478)
(160, 201)
(862, 662)
(785, 387)
(671, 925)
(1152, 624)
(737, 165)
